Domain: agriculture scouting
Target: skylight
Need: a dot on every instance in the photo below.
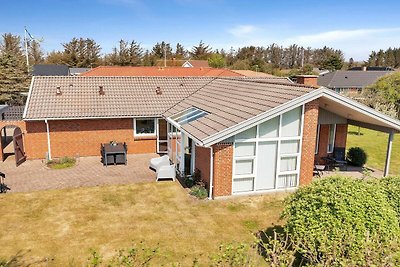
(188, 115)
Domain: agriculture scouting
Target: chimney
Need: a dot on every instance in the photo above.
(101, 90)
(158, 90)
(58, 90)
(310, 80)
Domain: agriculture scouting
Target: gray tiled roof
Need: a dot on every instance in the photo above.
(123, 97)
(350, 78)
(232, 101)
(50, 70)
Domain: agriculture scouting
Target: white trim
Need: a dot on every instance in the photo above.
(329, 136)
(28, 98)
(92, 118)
(48, 139)
(144, 134)
(210, 196)
(317, 141)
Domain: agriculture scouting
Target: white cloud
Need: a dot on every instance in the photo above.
(340, 35)
(242, 30)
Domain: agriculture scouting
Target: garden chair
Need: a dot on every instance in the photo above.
(157, 163)
(166, 172)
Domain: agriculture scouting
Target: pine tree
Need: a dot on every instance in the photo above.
(201, 51)
(14, 78)
(180, 52)
(36, 55)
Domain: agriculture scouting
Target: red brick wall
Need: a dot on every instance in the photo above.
(202, 163)
(309, 139)
(340, 140)
(311, 81)
(223, 156)
(83, 137)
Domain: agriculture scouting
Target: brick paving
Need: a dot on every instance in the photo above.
(32, 175)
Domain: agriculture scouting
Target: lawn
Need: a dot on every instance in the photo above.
(375, 143)
(61, 226)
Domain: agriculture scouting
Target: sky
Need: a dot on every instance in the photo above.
(356, 27)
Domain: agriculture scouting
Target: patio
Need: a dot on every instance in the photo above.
(33, 175)
(353, 171)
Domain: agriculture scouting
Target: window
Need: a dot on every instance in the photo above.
(317, 139)
(145, 127)
(188, 115)
(267, 156)
(331, 139)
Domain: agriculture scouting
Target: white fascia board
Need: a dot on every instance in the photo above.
(91, 118)
(265, 116)
(29, 97)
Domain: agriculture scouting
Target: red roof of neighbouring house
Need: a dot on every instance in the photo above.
(160, 72)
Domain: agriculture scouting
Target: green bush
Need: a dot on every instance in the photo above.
(199, 191)
(332, 219)
(357, 156)
(391, 186)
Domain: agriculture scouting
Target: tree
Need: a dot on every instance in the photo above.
(201, 51)
(384, 95)
(13, 79)
(13, 73)
(81, 53)
(333, 62)
(180, 52)
(36, 54)
(216, 61)
(55, 57)
(159, 49)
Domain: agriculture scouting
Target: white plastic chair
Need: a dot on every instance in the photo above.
(156, 163)
(166, 172)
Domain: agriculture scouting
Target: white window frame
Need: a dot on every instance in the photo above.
(317, 139)
(334, 137)
(278, 173)
(144, 134)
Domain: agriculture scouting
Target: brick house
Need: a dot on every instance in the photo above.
(245, 136)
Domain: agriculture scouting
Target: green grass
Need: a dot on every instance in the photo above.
(62, 163)
(375, 144)
(61, 226)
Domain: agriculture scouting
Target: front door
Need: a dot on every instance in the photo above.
(18, 140)
(162, 139)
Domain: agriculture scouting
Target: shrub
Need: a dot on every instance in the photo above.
(199, 191)
(391, 187)
(331, 220)
(357, 156)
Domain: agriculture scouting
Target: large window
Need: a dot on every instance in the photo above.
(145, 127)
(331, 139)
(267, 156)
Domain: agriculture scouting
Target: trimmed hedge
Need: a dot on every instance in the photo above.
(333, 219)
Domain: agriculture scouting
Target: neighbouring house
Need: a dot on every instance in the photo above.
(50, 70)
(245, 136)
(160, 72)
(194, 63)
(191, 63)
(350, 82)
(78, 71)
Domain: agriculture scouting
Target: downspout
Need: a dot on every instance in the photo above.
(48, 139)
(211, 173)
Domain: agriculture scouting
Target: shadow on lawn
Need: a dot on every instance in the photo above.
(355, 133)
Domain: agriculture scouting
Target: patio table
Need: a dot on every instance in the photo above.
(117, 151)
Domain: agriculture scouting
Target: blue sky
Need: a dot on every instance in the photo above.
(356, 27)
